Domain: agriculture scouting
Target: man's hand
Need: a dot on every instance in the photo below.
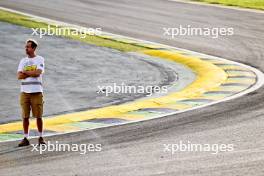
(21, 75)
(34, 73)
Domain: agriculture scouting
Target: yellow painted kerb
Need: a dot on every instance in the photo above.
(209, 77)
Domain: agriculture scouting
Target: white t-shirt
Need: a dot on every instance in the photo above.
(31, 84)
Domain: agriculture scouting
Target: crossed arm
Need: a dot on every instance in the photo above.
(25, 74)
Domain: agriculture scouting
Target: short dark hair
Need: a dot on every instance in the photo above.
(34, 43)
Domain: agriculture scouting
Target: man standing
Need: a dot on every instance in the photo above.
(30, 72)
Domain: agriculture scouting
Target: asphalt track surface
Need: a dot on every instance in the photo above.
(137, 149)
(76, 63)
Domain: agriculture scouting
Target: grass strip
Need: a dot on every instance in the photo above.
(25, 21)
(253, 4)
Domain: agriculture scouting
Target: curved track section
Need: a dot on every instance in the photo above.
(137, 149)
(217, 80)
